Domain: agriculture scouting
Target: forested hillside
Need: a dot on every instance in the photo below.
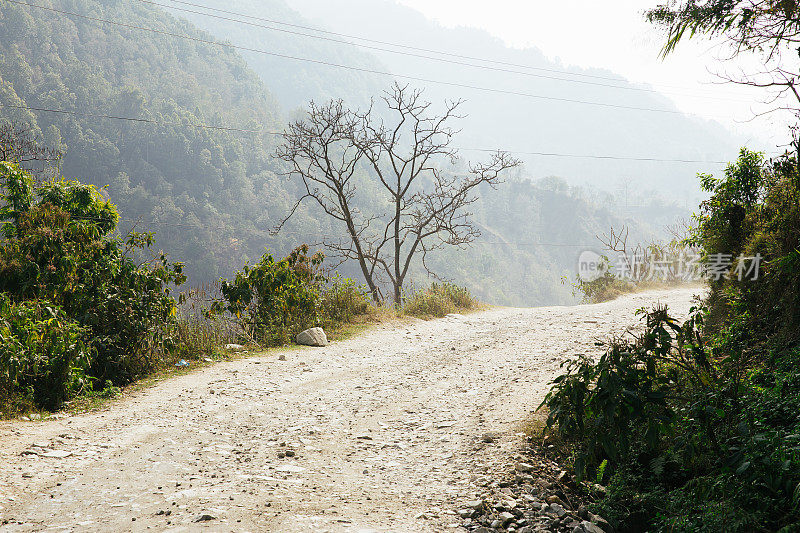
(213, 195)
(532, 234)
(210, 195)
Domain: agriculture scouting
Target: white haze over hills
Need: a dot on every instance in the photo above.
(525, 124)
(617, 37)
(212, 197)
(498, 119)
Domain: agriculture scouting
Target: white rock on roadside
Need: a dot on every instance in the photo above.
(524, 467)
(234, 347)
(312, 337)
(587, 527)
(292, 469)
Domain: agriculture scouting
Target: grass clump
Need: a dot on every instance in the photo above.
(342, 301)
(438, 300)
(198, 334)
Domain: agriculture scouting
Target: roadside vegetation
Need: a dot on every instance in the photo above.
(78, 311)
(605, 287)
(274, 300)
(610, 286)
(624, 269)
(695, 426)
(84, 311)
(439, 300)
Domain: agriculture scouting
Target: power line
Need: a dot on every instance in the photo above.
(387, 43)
(412, 54)
(357, 69)
(405, 46)
(533, 243)
(134, 119)
(267, 132)
(609, 157)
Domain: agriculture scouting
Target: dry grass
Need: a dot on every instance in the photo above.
(439, 300)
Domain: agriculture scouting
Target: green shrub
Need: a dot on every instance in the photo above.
(609, 286)
(604, 288)
(609, 405)
(439, 300)
(60, 248)
(273, 300)
(130, 310)
(690, 441)
(42, 354)
(460, 296)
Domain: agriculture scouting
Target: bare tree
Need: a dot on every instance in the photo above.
(19, 144)
(413, 204)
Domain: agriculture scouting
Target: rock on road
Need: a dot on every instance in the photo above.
(384, 431)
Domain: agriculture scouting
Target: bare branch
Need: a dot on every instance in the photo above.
(423, 207)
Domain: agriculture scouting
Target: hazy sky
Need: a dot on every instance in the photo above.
(614, 35)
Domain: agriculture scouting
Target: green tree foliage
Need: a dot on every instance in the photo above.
(722, 216)
(753, 211)
(211, 195)
(60, 253)
(746, 24)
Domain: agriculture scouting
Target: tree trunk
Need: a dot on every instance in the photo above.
(373, 289)
(398, 281)
(376, 297)
(398, 294)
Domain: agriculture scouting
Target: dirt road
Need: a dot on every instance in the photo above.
(386, 429)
